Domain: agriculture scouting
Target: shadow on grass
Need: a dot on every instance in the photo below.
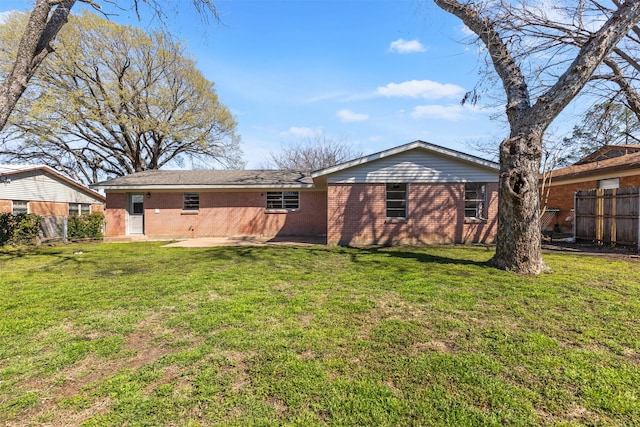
(61, 257)
(422, 254)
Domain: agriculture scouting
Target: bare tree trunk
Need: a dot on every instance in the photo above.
(35, 45)
(520, 240)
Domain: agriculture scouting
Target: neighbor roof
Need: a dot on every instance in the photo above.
(181, 179)
(8, 170)
(609, 152)
(407, 147)
(614, 164)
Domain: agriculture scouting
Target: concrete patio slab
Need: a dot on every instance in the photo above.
(206, 242)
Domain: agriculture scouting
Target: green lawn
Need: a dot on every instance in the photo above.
(137, 334)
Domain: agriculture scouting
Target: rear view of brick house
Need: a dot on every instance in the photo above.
(411, 194)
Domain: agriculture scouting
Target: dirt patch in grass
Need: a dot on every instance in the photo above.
(438, 346)
(145, 345)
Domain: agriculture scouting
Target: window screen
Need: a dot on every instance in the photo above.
(475, 200)
(396, 200)
(283, 200)
(191, 201)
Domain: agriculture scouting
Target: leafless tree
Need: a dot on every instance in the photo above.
(312, 154)
(532, 101)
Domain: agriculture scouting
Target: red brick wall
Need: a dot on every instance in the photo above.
(220, 214)
(5, 206)
(630, 181)
(357, 216)
(115, 215)
(49, 208)
(97, 207)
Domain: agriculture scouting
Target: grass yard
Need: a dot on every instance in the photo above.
(137, 334)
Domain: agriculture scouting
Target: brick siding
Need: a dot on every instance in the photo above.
(220, 214)
(47, 208)
(435, 214)
(115, 215)
(39, 208)
(5, 206)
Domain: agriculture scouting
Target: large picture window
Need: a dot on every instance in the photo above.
(396, 200)
(283, 200)
(190, 201)
(475, 194)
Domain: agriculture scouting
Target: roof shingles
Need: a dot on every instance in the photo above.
(210, 179)
(626, 162)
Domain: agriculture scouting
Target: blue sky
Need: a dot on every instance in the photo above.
(376, 73)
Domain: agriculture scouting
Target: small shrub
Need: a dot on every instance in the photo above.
(87, 226)
(19, 229)
(7, 224)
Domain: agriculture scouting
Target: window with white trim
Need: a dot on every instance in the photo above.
(475, 196)
(79, 208)
(396, 200)
(190, 201)
(283, 199)
(20, 207)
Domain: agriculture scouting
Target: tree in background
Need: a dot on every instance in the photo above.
(535, 93)
(40, 32)
(312, 154)
(604, 124)
(115, 100)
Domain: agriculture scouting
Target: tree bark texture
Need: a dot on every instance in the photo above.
(519, 244)
(35, 45)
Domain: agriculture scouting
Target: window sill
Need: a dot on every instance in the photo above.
(395, 220)
(280, 211)
(189, 212)
(474, 220)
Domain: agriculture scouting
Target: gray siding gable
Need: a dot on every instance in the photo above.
(416, 165)
(39, 185)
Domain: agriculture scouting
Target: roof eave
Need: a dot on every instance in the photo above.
(156, 187)
(403, 148)
(594, 172)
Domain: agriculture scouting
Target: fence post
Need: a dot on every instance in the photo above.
(575, 215)
(599, 215)
(614, 225)
(65, 228)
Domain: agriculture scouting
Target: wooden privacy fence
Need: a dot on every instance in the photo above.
(608, 216)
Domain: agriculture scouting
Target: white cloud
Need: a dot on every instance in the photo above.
(303, 132)
(421, 89)
(406, 46)
(454, 112)
(348, 116)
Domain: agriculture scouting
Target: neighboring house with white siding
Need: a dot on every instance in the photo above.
(414, 193)
(41, 190)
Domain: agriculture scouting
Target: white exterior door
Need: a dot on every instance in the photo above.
(136, 214)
